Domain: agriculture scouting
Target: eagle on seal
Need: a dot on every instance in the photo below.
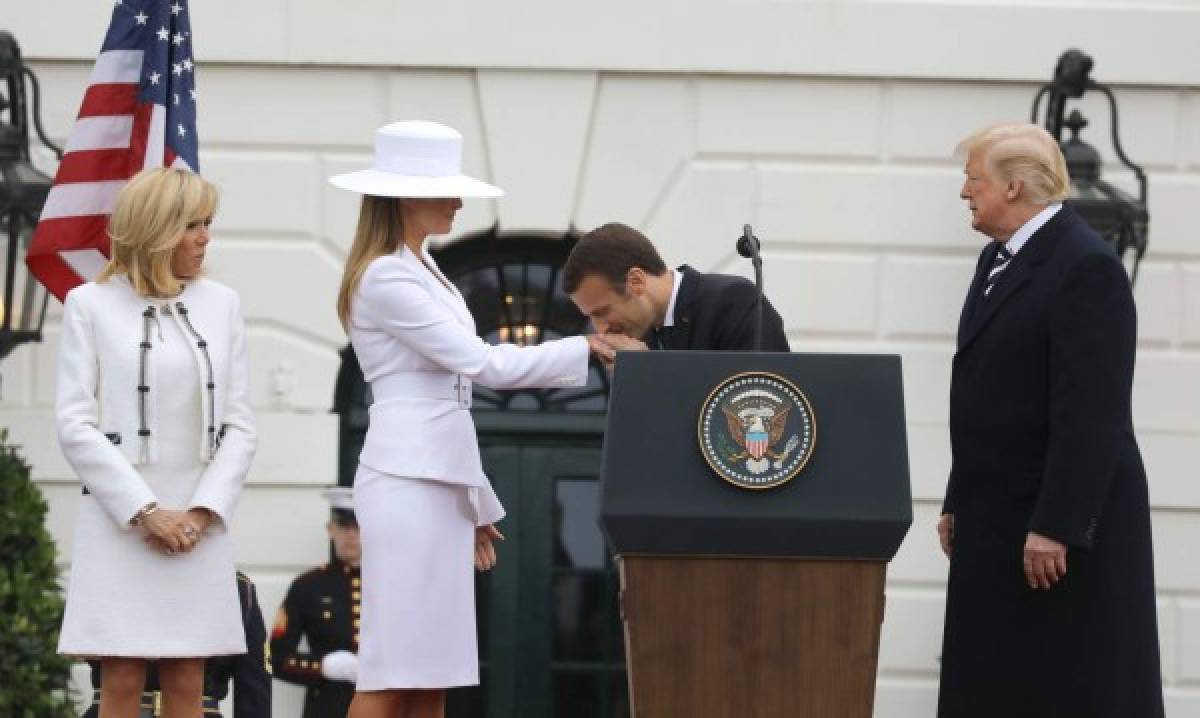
(757, 434)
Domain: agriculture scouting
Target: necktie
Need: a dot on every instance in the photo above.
(998, 264)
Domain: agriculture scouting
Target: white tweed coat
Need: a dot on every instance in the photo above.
(153, 405)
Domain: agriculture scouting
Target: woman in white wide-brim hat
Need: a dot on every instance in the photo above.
(425, 508)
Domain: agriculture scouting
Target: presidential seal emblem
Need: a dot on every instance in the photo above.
(757, 430)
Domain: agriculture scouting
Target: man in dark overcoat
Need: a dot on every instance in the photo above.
(1050, 607)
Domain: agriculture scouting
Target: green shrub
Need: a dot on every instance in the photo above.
(33, 677)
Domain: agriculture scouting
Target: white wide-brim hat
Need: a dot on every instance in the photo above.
(416, 159)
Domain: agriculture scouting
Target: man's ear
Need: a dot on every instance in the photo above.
(1013, 192)
(635, 281)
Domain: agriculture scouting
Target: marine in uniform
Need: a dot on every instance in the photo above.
(250, 672)
(323, 606)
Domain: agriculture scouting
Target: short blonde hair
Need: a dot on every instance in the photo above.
(1024, 152)
(152, 213)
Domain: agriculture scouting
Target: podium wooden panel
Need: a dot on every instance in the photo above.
(763, 637)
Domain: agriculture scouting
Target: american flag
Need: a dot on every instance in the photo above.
(139, 111)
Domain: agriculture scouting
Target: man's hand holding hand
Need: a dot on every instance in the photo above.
(606, 346)
(622, 343)
(601, 349)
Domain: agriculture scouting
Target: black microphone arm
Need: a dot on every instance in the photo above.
(747, 246)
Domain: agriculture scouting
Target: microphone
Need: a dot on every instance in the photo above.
(747, 246)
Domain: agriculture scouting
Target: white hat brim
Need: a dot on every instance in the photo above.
(387, 184)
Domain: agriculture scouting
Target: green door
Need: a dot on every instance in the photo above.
(550, 630)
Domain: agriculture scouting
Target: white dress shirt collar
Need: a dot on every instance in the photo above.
(1022, 235)
(676, 279)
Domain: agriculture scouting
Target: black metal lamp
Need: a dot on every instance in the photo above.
(23, 191)
(1121, 219)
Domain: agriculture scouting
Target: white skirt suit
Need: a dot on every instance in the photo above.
(420, 489)
(152, 405)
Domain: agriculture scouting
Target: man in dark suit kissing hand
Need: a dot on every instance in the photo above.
(635, 302)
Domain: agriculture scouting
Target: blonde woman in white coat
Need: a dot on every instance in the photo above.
(425, 509)
(153, 415)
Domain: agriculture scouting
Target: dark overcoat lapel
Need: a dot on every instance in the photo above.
(979, 310)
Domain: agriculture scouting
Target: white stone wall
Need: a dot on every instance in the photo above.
(828, 125)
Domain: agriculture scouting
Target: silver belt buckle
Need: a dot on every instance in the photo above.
(462, 391)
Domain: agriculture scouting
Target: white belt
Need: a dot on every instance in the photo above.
(423, 385)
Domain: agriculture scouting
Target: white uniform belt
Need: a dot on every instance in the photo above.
(423, 385)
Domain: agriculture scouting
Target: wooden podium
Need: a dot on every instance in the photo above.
(754, 603)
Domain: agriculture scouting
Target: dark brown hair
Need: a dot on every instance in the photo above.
(610, 251)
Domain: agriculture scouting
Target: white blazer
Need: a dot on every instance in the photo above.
(416, 342)
(107, 392)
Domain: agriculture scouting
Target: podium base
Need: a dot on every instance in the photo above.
(761, 637)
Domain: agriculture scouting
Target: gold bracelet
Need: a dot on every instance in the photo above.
(143, 513)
